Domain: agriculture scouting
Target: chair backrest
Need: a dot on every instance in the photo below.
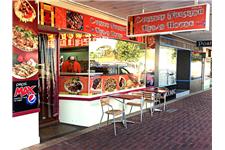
(163, 96)
(104, 101)
(149, 95)
(137, 93)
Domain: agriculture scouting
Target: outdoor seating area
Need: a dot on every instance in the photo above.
(152, 96)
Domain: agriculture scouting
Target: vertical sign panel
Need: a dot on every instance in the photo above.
(25, 57)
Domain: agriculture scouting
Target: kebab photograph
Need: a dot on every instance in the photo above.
(24, 67)
(97, 84)
(73, 86)
(74, 20)
(24, 11)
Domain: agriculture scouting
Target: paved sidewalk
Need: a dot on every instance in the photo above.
(188, 126)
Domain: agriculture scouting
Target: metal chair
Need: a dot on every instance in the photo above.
(150, 97)
(105, 102)
(162, 96)
(137, 104)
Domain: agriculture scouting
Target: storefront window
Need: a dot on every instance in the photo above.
(119, 65)
(167, 66)
(196, 65)
(74, 64)
(80, 55)
(106, 66)
(150, 67)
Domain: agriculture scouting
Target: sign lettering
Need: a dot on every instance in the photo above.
(22, 91)
(175, 20)
(204, 43)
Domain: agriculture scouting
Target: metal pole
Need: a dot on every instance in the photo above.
(143, 10)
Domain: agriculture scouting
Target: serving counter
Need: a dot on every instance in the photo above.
(79, 103)
(86, 110)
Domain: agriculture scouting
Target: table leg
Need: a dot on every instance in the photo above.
(124, 121)
(164, 104)
(124, 115)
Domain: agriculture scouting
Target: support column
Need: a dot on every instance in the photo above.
(157, 46)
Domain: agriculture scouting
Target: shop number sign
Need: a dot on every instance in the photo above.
(207, 43)
(175, 20)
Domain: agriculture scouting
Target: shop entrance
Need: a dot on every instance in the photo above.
(48, 78)
(50, 127)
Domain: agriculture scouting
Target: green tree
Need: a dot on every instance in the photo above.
(93, 55)
(129, 52)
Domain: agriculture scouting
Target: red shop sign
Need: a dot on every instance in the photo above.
(89, 24)
(104, 28)
(175, 20)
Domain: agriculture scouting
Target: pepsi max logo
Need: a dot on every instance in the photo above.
(31, 99)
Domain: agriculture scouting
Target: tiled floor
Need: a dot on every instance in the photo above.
(186, 126)
(57, 130)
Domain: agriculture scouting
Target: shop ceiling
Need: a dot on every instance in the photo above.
(123, 8)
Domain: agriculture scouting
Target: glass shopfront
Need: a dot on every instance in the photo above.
(106, 66)
(196, 72)
(167, 66)
(119, 64)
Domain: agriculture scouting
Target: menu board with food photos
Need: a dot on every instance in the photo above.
(70, 39)
(74, 40)
(25, 56)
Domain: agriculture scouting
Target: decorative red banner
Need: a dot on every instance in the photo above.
(167, 21)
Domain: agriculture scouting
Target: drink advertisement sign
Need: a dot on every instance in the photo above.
(25, 96)
(174, 20)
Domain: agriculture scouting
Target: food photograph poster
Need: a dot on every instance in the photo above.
(25, 57)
